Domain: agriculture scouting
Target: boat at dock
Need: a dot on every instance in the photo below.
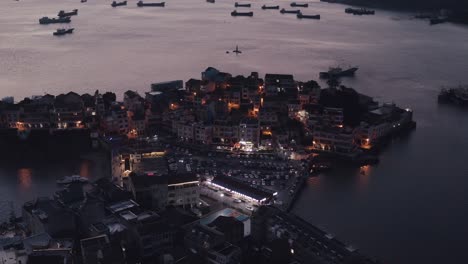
(300, 15)
(142, 4)
(338, 72)
(242, 5)
(359, 11)
(63, 31)
(235, 13)
(294, 4)
(67, 14)
(284, 11)
(47, 20)
(264, 7)
(116, 4)
(71, 179)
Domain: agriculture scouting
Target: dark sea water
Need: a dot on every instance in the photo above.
(410, 208)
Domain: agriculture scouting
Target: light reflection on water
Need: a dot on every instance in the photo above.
(25, 178)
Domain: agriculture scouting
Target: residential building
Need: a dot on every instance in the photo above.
(335, 140)
(249, 131)
(158, 191)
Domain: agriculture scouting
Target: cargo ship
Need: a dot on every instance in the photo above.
(47, 20)
(116, 4)
(241, 5)
(235, 13)
(284, 11)
(270, 7)
(294, 4)
(63, 31)
(338, 72)
(300, 15)
(67, 14)
(142, 4)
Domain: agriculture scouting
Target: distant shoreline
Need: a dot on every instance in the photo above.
(457, 13)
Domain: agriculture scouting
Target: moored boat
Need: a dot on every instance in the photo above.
(270, 7)
(300, 15)
(47, 20)
(242, 5)
(67, 14)
(338, 72)
(142, 4)
(284, 11)
(116, 4)
(294, 4)
(235, 13)
(71, 179)
(63, 31)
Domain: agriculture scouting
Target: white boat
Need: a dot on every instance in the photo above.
(71, 179)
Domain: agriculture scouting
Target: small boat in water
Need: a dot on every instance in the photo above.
(270, 7)
(338, 72)
(71, 179)
(211, 1)
(84, 1)
(300, 15)
(359, 11)
(63, 31)
(241, 5)
(141, 4)
(116, 4)
(67, 14)
(235, 13)
(284, 11)
(294, 4)
(47, 20)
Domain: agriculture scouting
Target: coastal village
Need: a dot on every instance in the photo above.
(204, 171)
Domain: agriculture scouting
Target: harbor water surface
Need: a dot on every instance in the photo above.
(410, 208)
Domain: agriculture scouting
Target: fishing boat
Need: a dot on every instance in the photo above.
(142, 4)
(264, 7)
(116, 4)
(71, 179)
(235, 13)
(63, 31)
(300, 15)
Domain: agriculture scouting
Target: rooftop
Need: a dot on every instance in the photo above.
(242, 188)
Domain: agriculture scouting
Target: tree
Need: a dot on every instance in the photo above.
(109, 98)
(333, 82)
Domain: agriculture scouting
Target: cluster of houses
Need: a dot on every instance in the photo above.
(252, 113)
(248, 113)
(102, 223)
